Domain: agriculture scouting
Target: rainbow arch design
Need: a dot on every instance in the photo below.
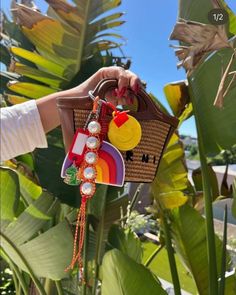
(110, 166)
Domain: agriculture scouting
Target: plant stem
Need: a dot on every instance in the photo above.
(20, 278)
(16, 272)
(59, 287)
(49, 286)
(223, 258)
(14, 277)
(36, 281)
(171, 256)
(153, 255)
(99, 242)
(210, 232)
(135, 197)
(19, 290)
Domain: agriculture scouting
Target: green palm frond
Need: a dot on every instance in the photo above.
(61, 42)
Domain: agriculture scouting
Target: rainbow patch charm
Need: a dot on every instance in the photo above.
(110, 166)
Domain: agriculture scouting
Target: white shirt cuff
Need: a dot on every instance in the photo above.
(21, 130)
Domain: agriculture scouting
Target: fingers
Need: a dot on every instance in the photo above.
(134, 82)
(125, 79)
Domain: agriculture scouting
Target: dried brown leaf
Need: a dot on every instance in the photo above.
(216, 4)
(30, 4)
(26, 16)
(200, 39)
(63, 6)
(222, 92)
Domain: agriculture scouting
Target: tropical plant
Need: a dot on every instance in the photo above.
(204, 73)
(46, 53)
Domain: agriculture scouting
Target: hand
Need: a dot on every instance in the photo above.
(125, 78)
(47, 105)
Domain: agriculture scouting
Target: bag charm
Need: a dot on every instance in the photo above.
(84, 155)
(90, 160)
(124, 131)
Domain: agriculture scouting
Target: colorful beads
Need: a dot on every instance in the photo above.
(88, 168)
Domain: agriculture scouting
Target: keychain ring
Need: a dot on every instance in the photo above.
(90, 93)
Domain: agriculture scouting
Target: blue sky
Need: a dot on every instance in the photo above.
(147, 28)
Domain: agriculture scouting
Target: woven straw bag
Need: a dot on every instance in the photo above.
(142, 162)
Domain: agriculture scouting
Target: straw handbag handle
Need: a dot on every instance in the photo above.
(147, 108)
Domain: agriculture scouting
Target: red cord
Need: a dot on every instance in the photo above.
(79, 229)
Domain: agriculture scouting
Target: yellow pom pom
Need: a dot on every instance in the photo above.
(127, 136)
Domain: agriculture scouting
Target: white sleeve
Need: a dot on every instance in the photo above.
(21, 130)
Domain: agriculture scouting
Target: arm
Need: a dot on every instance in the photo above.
(23, 126)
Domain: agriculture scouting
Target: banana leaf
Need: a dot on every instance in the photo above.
(15, 36)
(30, 89)
(40, 61)
(9, 194)
(65, 36)
(29, 190)
(109, 212)
(197, 179)
(172, 178)
(188, 233)
(171, 182)
(48, 164)
(232, 18)
(44, 255)
(15, 99)
(114, 201)
(230, 284)
(27, 161)
(123, 275)
(198, 11)
(126, 241)
(234, 200)
(177, 95)
(217, 126)
(38, 75)
(32, 220)
(5, 55)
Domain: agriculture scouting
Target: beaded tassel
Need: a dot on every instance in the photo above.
(87, 175)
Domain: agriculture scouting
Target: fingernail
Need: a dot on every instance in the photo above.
(129, 101)
(122, 92)
(114, 92)
(136, 88)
